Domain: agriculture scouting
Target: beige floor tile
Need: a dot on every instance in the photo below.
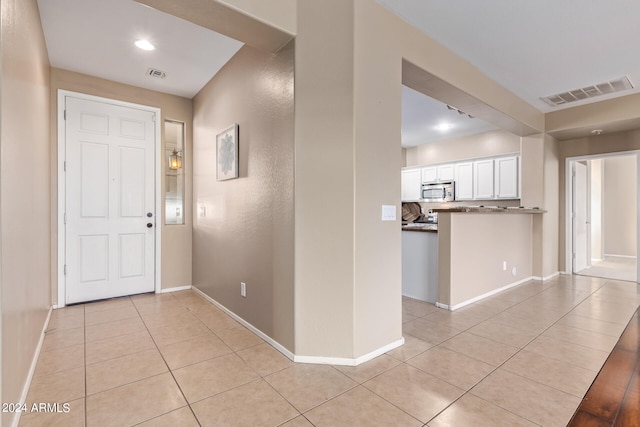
(412, 347)
(554, 373)
(109, 304)
(103, 316)
(420, 395)
(480, 348)
(71, 416)
(122, 345)
(593, 325)
(239, 338)
(307, 386)
(452, 367)
(300, 421)
(134, 403)
(217, 321)
(161, 306)
(533, 401)
(177, 332)
(472, 411)
(116, 372)
(456, 319)
(59, 387)
(580, 336)
(365, 371)
(213, 376)
(494, 305)
(61, 338)
(418, 308)
(531, 323)
(432, 332)
(169, 316)
(59, 360)
(65, 320)
(113, 329)
(268, 408)
(195, 350)
(151, 298)
(359, 407)
(264, 359)
(406, 317)
(182, 417)
(570, 353)
(503, 334)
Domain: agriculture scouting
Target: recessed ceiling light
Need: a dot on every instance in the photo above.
(443, 127)
(144, 44)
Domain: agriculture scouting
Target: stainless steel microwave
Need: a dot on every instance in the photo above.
(438, 191)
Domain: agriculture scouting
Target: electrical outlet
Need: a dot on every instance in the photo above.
(243, 289)
(504, 265)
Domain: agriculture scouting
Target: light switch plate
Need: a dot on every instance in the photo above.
(388, 212)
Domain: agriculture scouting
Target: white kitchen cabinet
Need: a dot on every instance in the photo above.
(411, 185)
(429, 174)
(506, 178)
(438, 173)
(464, 181)
(446, 172)
(483, 179)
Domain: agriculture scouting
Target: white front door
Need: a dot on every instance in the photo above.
(580, 218)
(110, 216)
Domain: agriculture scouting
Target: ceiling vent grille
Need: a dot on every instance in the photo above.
(617, 85)
(156, 73)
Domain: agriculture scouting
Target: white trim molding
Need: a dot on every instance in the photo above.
(345, 361)
(32, 370)
(176, 289)
(483, 296)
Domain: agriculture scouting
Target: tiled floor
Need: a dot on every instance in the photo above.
(613, 267)
(523, 357)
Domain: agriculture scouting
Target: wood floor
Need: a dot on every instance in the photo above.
(614, 397)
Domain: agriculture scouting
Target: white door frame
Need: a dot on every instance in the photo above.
(62, 195)
(569, 203)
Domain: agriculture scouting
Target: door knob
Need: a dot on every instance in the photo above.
(149, 214)
(149, 225)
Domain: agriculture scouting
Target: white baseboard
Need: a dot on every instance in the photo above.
(549, 277)
(345, 361)
(32, 369)
(619, 256)
(483, 296)
(297, 358)
(248, 325)
(176, 289)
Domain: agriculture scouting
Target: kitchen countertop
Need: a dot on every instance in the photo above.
(420, 226)
(491, 209)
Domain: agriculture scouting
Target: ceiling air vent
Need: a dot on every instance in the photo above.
(617, 85)
(156, 73)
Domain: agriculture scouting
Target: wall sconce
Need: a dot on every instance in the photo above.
(175, 160)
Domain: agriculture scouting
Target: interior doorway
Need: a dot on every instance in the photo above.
(602, 216)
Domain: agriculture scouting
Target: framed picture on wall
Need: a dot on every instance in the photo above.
(227, 154)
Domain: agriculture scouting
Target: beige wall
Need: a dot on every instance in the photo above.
(620, 203)
(472, 250)
(485, 144)
(25, 193)
(246, 231)
(618, 142)
(176, 239)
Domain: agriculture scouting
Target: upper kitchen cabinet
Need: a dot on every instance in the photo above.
(506, 178)
(438, 173)
(411, 180)
(464, 181)
(483, 179)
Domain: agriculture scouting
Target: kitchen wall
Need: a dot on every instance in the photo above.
(485, 144)
(243, 228)
(607, 143)
(620, 203)
(24, 194)
(176, 239)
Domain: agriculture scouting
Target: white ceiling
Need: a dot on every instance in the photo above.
(533, 48)
(96, 37)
